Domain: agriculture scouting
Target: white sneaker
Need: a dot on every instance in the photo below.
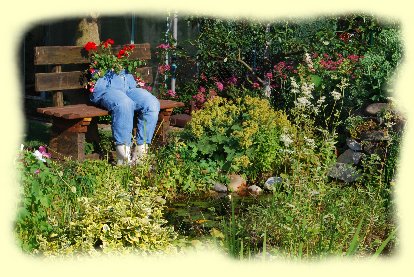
(123, 154)
(140, 153)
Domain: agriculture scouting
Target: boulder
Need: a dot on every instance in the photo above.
(271, 182)
(375, 135)
(375, 108)
(350, 157)
(219, 187)
(353, 144)
(237, 183)
(256, 190)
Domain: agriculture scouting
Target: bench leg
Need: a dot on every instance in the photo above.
(163, 125)
(68, 138)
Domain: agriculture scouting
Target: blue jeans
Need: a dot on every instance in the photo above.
(123, 101)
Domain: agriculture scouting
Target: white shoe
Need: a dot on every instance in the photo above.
(140, 153)
(123, 154)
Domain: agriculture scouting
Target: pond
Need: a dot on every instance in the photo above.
(196, 216)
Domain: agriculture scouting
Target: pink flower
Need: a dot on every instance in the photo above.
(164, 46)
(202, 89)
(91, 89)
(353, 58)
(42, 150)
(200, 97)
(232, 80)
(163, 68)
(219, 86)
(269, 75)
(256, 85)
(171, 93)
(37, 171)
(203, 77)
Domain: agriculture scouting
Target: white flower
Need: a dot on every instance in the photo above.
(105, 228)
(302, 102)
(308, 61)
(310, 142)
(39, 155)
(321, 100)
(293, 83)
(21, 147)
(307, 89)
(336, 95)
(73, 189)
(286, 139)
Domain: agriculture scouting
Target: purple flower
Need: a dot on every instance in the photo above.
(37, 171)
(41, 154)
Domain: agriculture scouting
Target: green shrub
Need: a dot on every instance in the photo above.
(241, 135)
(81, 207)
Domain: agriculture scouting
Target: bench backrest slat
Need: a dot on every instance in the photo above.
(63, 79)
(56, 81)
(61, 55)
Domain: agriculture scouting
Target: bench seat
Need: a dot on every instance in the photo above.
(70, 124)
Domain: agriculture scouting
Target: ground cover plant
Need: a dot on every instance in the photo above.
(268, 99)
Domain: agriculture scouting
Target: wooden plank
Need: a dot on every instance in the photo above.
(57, 95)
(166, 104)
(50, 55)
(73, 80)
(86, 111)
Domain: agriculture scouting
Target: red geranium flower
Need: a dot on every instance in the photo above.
(108, 42)
(90, 46)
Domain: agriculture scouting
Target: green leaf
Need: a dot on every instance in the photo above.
(316, 80)
(384, 243)
(355, 240)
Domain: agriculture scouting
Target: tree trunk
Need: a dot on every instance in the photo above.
(88, 30)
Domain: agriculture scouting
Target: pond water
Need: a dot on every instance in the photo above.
(194, 217)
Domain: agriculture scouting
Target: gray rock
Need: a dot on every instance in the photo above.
(375, 135)
(346, 157)
(256, 190)
(237, 183)
(353, 144)
(270, 183)
(350, 157)
(344, 172)
(219, 187)
(356, 157)
(375, 108)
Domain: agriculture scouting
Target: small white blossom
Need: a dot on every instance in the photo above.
(321, 100)
(308, 61)
(286, 139)
(310, 142)
(302, 102)
(336, 95)
(293, 83)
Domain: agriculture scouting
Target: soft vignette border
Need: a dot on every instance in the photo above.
(18, 17)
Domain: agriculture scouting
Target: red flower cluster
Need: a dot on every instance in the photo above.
(345, 37)
(330, 64)
(90, 46)
(108, 42)
(125, 51)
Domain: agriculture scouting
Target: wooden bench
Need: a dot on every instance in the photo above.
(70, 122)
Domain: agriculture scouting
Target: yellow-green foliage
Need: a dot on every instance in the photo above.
(243, 132)
(114, 219)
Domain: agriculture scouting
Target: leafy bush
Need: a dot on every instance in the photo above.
(241, 135)
(79, 208)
